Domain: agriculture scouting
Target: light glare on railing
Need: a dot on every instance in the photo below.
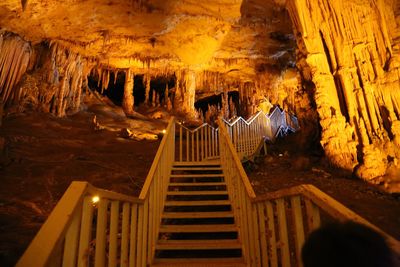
(95, 199)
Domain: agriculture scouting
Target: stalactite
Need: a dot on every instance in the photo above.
(14, 60)
(128, 100)
(115, 76)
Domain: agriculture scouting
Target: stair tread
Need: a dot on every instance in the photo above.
(197, 168)
(189, 215)
(195, 193)
(199, 184)
(197, 203)
(200, 262)
(198, 163)
(198, 228)
(198, 244)
(196, 175)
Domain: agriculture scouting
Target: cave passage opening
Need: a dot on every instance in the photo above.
(115, 89)
(158, 86)
(204, 104)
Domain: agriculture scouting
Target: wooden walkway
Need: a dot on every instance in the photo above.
(192, 213)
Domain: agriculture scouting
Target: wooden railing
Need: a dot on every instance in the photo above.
(198, 144)
(94, 227)
(273, 227)
(247, 136)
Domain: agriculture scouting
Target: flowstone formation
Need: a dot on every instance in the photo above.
(349, 50)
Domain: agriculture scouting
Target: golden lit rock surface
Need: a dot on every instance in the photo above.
(347, 58)
(349, 50)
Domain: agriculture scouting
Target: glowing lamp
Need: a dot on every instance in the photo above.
(164, 131)
(95, 199)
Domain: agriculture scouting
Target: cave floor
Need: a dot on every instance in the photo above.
(43, 154)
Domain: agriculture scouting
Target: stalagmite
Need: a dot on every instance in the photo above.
(166, 93)
(147, 79)
(153, 98)
(128, 100)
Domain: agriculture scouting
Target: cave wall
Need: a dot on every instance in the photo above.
(348, 50)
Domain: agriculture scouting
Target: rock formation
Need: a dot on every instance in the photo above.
(333, 63)
(348, 50)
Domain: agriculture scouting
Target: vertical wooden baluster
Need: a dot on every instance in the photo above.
(283, 232)
(114, 222)
(101, 234)
(249, 225)
(272, 236)
(313, 217)
(145, 234)
(205, 143)
(263, 234)
(151, 215)
(202, 143)
(257, 234)
(209, 141)
(187, 145)
(133, 236)
(140, 235)
(192, 146)
(86, 232)
(125, 234)
(197, 146)
(71, 240)
(180, 143)
(212, 142)
(299, 227)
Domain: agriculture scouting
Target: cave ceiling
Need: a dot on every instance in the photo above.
(234, 37)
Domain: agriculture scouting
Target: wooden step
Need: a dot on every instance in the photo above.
(198, 168)
(196, 193)
(199, 184)
(198, 203)
(197, 215)
(198, 244)
(212, 175)
(204, 228)
(200, 262)
(198, 163)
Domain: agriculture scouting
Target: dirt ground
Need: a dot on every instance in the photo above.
(43, 154)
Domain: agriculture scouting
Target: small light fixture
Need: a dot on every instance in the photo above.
(95, 199)
(164, 131)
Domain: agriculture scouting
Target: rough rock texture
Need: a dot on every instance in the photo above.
(349, 52)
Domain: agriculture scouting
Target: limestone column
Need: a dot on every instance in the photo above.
(128, 100)
(190, 93)
(147, 95)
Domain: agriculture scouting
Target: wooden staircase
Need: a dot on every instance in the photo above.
(198, 226)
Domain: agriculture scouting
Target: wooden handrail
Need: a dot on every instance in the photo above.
(329, 205)
(101, 193)
(154, 165)
(248, 122)
(238, 164)
(53, 230)
(52, 233)
(197, 128)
